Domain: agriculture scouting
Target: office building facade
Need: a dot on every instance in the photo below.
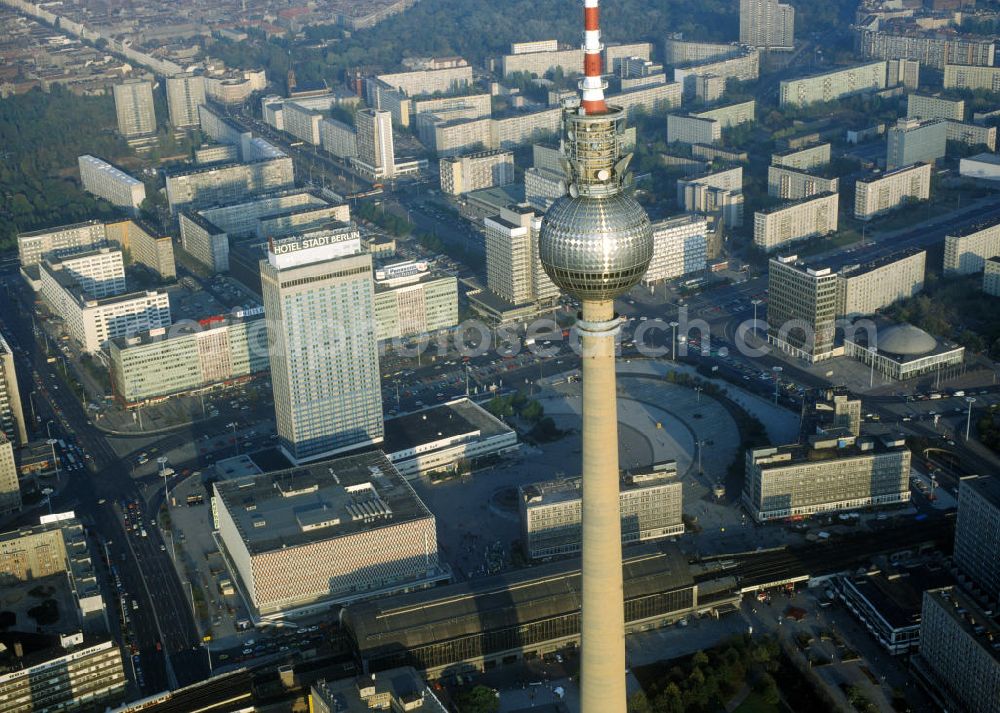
(866, 289)
(804, 159)
(185, 93)
(472, 172)
(977, 533)
(338, 531)
(410, 299)
(794, 185)
(743, 66)
(217, 351)
(692, 130)
(92, 321)
(145, 246)
(922, 106)
(319, 303)
(959, 76)
(991, 276)
(513, 269)
(831, 86)
(99, 273)
(802, 308)
(227, 183)
(967, 251)
(376, 156)
(10, 488)
(134, 108)
(827, 474)
(58, 242)
(112, 184)
(886, 192)
(913, 141)
(11, 411)
(808, 218)
(958, 655)
(338, 139)
(930, 50)
(680, 247)
(650, 503)
(732, 114)
(767, 24)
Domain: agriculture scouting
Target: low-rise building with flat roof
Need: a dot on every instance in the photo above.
(303, 539)
(827, 473)
(446, 438)
(985, 166)
(901, 351)
(398, 689)
(476, 625)
(889, 603)
(650, 500)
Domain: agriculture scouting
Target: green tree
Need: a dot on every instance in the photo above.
(480, 699)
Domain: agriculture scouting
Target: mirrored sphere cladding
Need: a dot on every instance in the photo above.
(596, 248)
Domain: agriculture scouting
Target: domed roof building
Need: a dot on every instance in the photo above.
(900, 351)
(905, 340)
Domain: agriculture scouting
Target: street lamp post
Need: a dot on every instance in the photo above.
(698, 390)
(162, 462)
(871, 377)
(55, 461)
(968, 417)
(756, 304)
(47, 492)
(673, 340)
(777, 381)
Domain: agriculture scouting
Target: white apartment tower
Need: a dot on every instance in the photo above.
(513, 269)
(11, 413)
(185, 93)
(319, 303)
(134, 108)
(376, 155)
(767, 24)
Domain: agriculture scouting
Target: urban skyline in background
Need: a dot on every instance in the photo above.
(296, 335)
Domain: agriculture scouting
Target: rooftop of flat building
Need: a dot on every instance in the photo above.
(970, 617)
(987, 486)
(404, 686)
(563, 490)
(796, 203)
(59, 229)
(179, 171)
(507, 600)
(829, 446)
(974, 228)
(897, 594)
(801, 149)
(109, 168)
(462, 417)
(857, 269)
(56, 261)
(320, 501)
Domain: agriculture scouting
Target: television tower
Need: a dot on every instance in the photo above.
(596, 244)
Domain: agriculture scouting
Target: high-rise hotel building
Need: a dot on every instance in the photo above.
(319, 303)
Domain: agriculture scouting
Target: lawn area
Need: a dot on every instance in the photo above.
(755, 703)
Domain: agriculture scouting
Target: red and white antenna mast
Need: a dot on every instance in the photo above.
(592, 85)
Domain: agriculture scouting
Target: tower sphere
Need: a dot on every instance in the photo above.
(596, 248)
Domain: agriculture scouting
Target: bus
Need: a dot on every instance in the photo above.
(195, 499)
